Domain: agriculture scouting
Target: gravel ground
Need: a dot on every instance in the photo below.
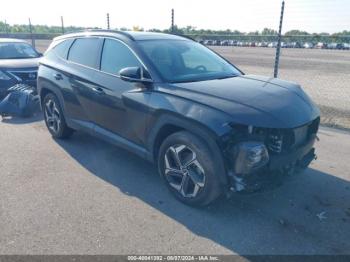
(83, 196)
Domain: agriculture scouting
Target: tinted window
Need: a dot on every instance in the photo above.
(60, 48)
(116, 56)
(85, 51)
(186, 61)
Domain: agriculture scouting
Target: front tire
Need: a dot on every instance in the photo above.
(54, 118)
(187, 167)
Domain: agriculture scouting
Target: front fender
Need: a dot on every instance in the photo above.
(198, 119)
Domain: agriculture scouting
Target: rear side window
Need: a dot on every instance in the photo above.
(59, 48)
(85, 51)
(116, 56)
(62, 48)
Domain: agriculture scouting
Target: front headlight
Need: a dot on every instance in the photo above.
(249, 156)
(3, 76)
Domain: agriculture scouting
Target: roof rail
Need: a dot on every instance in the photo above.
(104, 30)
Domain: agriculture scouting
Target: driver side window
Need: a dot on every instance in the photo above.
(116, 56)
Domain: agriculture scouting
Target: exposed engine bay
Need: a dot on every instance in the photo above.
(21, 101)
(260, 157)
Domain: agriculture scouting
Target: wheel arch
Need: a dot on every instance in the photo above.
(170, 124)
(46, 87)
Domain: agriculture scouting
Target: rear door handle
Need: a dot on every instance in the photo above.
(58, 76)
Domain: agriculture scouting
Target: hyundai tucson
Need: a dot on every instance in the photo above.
(210, 129)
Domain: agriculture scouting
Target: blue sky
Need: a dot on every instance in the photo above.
(244, 15)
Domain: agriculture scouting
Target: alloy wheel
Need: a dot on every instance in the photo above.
(183, 171)
(52, 116)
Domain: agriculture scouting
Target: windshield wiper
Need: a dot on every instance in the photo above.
(224, 77)
(202, 79)
(187, 81)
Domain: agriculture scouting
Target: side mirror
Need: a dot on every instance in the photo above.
(133, 74)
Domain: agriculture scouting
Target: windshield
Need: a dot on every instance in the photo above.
(186, 61)
(16, 51)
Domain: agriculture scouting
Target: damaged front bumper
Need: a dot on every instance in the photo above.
(264, 169)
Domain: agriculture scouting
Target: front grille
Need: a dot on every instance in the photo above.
(284, 140)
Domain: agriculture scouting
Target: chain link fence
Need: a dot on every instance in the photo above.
(320, 66)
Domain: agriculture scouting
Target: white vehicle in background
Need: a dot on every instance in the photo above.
(308, 45)
(272, 45)
(320, 45)
(284, 45)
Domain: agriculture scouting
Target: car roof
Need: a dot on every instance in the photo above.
(12, 40)
(132, 35)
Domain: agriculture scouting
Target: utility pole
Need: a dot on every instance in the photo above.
(31, 33)
(6, 29)
(108, 26)
(278, 49)
(62, 25)
(172, 20)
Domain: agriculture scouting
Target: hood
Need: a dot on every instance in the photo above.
(252, 100)
(19, 63)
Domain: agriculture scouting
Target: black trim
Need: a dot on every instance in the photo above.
(108, 136)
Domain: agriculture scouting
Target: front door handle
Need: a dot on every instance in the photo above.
(58, 76)
(98, 90)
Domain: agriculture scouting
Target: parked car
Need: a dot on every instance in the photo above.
(284, 45)
(321, 45)
(334, 46)
(208, 42)
(251, 44)
(232, 43)
(288, 45)
(208, 127)
(18, 64)
(296, 45)
(340, 46)
(346, 46)
(224, 43)
(308, 45)
(272, 45)
(216, 42)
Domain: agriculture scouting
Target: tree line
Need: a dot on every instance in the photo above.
(266, 34)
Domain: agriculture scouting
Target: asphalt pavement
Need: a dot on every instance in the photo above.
(84, 196)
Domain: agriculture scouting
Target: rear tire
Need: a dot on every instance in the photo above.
(54, 117)
(186, 165)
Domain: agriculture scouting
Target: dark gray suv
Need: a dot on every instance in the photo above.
(209, 128)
